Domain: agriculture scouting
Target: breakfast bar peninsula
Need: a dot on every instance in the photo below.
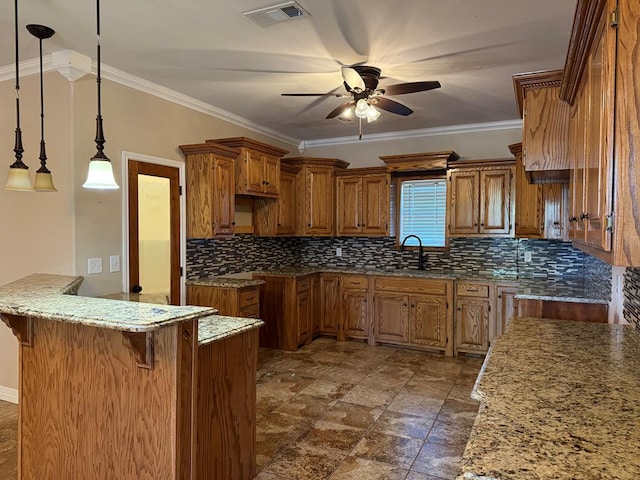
(113, 389)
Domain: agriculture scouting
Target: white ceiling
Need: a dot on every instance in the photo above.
(210, 51)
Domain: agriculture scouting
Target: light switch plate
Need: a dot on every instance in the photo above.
(114, 263)
(527, 256)
(95, 265)
(338, 251)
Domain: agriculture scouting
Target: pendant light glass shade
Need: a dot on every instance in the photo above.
(44, 182)
(100, 175)
(18, 179)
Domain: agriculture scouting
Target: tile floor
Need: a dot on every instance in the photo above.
(345, 410)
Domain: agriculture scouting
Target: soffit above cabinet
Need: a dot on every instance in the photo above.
(245, 142)
(210, 147)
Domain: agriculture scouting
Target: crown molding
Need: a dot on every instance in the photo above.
(73, 65)
(423, 132)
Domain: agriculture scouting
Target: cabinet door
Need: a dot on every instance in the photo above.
(505, 308)
(464, 216)
(355, 315)
(316, 310)
(271, 175)
(200, 206)
(579, 118)
(529, 206)
(391, 317)
(375, 204)
(329, 304)
(319, 201)
(556, 216)
(495, 201)
(287, 204)
(304, 312)
(599, 154)
(428, 320)
(472, 324)
(349, 205)
(254, 173)
(223, 197)
(544, 143)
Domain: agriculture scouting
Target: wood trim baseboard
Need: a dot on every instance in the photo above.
(9, 394)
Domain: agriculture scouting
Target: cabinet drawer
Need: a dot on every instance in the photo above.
(248, 298)
(410, 285)
(252, 311)
(355, 281)
(303, 284)
(472, 290)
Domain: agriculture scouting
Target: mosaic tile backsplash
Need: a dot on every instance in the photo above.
(631, 309)
(465, 255)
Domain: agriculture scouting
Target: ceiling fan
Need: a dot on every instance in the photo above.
(361, 83)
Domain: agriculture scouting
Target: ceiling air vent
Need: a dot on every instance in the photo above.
(276, 13)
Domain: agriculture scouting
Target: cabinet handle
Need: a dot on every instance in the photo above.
(482, 224)
(584, 216)
(475, 224)
(233, 223)
(413, 306)
(404, 304)
(573, 219)
(459, 309)
(499, 296)
(309, 225)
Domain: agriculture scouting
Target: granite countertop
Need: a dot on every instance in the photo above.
(566, 289)
(560, 399)
(216, 327)
(53, 297)
(156, 298)
(224, 282)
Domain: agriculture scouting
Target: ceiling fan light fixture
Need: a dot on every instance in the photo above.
(372, 114)
(361, 108)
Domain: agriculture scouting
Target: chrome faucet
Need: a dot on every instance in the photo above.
(420, 250)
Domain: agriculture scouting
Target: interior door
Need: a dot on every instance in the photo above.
(154, 230)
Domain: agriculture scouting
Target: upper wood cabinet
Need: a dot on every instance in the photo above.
(480, 199)
(600, 84)
(362, 202)
(277, 216)
(210, 189)
(545, 126)
(257, 167)
(315, 194)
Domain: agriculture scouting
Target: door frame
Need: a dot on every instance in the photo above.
(140, 157)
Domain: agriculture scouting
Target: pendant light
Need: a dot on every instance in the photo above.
(18, 179)
(100, 174)
(44, 180)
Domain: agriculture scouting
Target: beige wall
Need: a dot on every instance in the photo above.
(36, 228)
(475, 145)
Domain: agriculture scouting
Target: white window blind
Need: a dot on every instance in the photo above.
(423, 211)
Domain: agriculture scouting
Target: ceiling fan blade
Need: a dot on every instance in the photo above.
(311, 95)
(393, 107)
(410, 87)
(353, 79)
(339, 110)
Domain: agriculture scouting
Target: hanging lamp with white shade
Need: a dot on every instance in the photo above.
(18, 179)
(44, 179)
(100, 174)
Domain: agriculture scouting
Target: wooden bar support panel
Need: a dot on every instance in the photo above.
(22, 328)
(141, 344)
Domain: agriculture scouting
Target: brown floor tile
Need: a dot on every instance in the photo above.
(455, 411)
(369, 396)
(403, 425)
(8, 440)
(461, 393)
(418, 405)
(333, 436)
(304, 462)
(327, 389)
(346, 375)
(358, 416)
(439, 460)
(419, 385)
(467, 378)
(306, 406)
(277, 430)
(421, 476)
(311, 369)
(441, 367)
(354, 468)
(455, 434)
(380, 447)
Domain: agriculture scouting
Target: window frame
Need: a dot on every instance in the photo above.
(397, 181)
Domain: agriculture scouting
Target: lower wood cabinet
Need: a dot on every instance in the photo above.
(303, 320)
(505, 308)
(473, 310)
(231, 301)
(413, 312)
(356, 321)
(329, 310)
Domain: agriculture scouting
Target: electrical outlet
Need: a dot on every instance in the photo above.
(527, 256)
(114, 263)
(338, 251)
(95, 265)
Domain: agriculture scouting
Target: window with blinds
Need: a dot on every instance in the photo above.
(423, 211)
